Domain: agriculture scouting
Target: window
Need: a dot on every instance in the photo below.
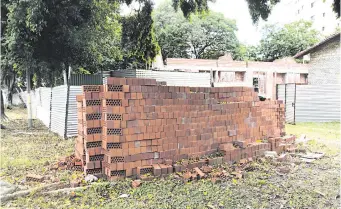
(255, 84)
(312, 18)
(323, 28)
(312, 4)
(324, 14)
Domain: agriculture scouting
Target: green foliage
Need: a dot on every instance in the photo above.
(172, 31)
(212, 35)
(287, 41)
(260, 8)
(205, 36)
(257, 8)
(278, 42)
(138, 40)
(191, 6)
(48, 36)
(336, 7)
(247, 53)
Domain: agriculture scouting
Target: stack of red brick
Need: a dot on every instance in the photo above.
(133, 126)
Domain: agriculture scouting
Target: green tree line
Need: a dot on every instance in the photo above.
(47, 37)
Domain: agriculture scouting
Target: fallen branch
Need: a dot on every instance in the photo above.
(29, 191)
(73, 189)
(66, 190)
(15, 195)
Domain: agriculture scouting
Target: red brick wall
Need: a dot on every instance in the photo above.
(130, 123)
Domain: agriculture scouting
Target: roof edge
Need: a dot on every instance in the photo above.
(304, 52)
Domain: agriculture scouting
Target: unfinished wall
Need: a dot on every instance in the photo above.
(280, 78)
(132, 126)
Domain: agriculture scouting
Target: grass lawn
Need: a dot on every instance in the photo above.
(313, 185)
(318, 131)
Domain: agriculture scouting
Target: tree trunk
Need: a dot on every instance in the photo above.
(3, 116)
(29, 107)
(164, 57)
(65, 76)
(38, 81)
(10, 85)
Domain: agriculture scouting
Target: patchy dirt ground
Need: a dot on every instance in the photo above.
(314, 185)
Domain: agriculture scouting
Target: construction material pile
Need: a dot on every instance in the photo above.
(135, 127)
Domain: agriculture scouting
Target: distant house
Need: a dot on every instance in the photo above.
(263, 76)
(324, 64)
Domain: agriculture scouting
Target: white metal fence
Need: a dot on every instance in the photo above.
(172, 78)
(55, 107)
(310, 103)
(43, 107)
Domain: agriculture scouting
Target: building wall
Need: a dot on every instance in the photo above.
(319, 12)
(280, 78)
(304, 78)
(325, 64)
(240, 76)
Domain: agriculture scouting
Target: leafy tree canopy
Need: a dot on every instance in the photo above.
(278, 42)
(205, 36)
(138, 40)
(48, 35)
(287, 41)
(257, 8)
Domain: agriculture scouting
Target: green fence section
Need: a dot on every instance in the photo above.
(84, 79)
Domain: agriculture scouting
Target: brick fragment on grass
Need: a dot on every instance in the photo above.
(199, 172)
(34, 177)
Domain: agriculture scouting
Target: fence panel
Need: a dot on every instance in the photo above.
(72, 118)
(172, 78)
(58, 111)
(320, 103)
(84, 79)
(290, 97)
(44, 107)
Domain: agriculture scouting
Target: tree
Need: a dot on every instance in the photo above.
(3, 116)
(247, 53)
(138, 40)
(172, 31)
(48, 36)
(287, 41)
(212, 35)
(204, 36)
(257, 8)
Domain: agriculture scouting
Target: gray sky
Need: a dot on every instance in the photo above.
(238, 10)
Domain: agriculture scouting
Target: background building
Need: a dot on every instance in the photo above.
(320, 12)
(324, 65)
